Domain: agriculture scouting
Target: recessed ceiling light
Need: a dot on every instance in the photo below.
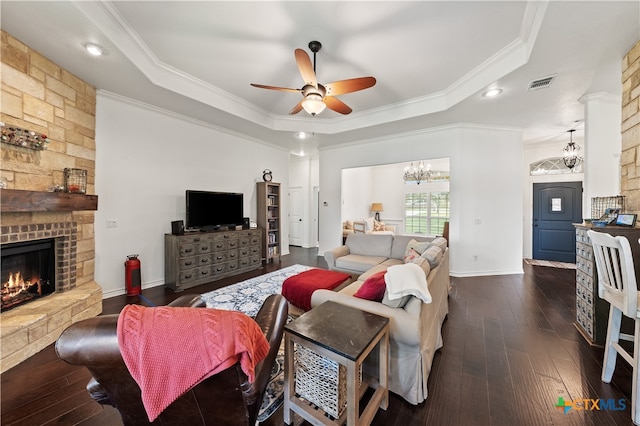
(94, 49)
(491, 93)
(302, 135)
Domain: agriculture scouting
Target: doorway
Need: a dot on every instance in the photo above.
(316, 216)
(556, 207)
(296, 213)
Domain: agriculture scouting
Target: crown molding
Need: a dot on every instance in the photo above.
(420, 132)
(601, 96)
(114, 26)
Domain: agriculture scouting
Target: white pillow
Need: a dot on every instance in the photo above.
(407, 279)
(368, 224)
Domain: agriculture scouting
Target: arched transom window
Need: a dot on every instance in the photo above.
(552, 166)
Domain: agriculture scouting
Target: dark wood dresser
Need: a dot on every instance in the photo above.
(201, 257)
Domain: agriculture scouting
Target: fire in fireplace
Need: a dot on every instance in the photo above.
(27, 271)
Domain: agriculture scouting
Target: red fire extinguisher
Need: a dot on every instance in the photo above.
(132, 275)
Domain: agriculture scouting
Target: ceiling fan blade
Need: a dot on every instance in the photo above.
(337, 105)
(306, 68)
(282, 89)
(296, 109)
(351, 85)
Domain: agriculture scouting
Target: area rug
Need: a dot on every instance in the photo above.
(248, 296)
(550, 263)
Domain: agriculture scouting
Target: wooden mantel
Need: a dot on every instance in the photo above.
(16, 201)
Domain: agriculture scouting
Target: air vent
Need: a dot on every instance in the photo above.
(541, 83)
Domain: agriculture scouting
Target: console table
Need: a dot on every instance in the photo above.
(197, 258)
(343, 335)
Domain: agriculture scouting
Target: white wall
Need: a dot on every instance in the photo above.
(486, 191)
(145, 160)
(357, 193)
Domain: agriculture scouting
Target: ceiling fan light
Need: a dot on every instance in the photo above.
(313, 104)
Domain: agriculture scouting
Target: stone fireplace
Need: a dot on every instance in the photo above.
(40, 96)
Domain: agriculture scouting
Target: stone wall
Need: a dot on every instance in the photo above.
(630, 156)
(41, 96)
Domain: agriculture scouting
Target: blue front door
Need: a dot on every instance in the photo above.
(556, 207)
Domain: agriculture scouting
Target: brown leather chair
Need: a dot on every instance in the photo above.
(224, 399)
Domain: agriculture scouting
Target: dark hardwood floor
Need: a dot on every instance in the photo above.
(510, 351)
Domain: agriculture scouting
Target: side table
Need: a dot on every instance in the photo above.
(346, 336)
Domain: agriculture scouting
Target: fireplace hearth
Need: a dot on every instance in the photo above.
(27, 272)
(29, 327)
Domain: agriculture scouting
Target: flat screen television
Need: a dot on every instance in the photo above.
(209, 210)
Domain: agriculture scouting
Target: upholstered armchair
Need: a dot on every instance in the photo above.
(226, 398)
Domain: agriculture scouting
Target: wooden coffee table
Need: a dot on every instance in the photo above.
(346, 336)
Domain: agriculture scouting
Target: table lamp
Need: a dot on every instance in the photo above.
(377, 207)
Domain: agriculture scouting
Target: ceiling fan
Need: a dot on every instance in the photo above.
(316, 96)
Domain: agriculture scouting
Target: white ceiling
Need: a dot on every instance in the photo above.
(432, 60)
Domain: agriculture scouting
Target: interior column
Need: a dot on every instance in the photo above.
(601, 152)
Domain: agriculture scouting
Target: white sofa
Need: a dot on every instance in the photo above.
(415, 329)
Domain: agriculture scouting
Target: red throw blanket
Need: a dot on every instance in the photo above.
(299, 288)
(168, 350)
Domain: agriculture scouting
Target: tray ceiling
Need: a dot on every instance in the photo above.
(432, 60)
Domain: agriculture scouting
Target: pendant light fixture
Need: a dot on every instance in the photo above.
(571, 157)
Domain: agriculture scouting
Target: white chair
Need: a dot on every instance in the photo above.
(617, 285)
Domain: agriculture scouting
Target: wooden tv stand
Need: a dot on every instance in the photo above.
(197, 258)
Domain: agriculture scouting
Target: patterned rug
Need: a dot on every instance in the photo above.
(248, 296)
(550, 263)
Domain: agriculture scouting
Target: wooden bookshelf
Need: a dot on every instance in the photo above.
(269, 218)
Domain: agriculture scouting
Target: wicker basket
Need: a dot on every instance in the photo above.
(321, 381)
(75, 181)
(599, 205)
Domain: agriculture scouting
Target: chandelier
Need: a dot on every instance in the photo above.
(417, 173)
(571, 157)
